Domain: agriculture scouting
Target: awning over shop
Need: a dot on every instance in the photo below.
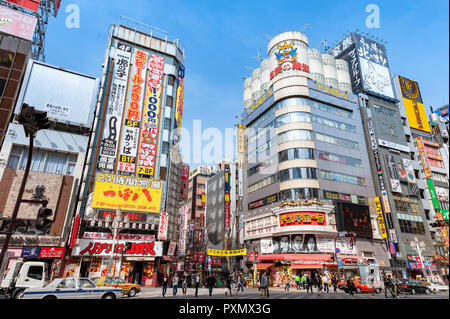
(351, 259)
(306, 266)
(263, 266)
(295, 257)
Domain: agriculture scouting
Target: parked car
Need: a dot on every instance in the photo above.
(413, 286)
(72, 288)
(360, 286)
(127, 289)
(435, 288)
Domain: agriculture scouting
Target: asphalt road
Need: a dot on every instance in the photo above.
(275, 293)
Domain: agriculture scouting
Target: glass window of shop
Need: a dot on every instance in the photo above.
(295, 153)
(296, 101)
(298, 173)
(294, 135)
(341, 177)
(295, 194)
(338, 158)
(308, 118)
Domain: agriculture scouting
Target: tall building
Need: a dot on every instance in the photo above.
(403, 206)
(57, 164)
(306, 171)
(133, 167)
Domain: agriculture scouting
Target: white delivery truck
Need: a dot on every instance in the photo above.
(23, 275)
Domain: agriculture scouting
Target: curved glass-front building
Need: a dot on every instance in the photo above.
(304, 141)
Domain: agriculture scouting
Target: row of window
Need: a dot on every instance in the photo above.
(298, 173)
(295, 194)
(263, 183)
(43, 161)
(411, 227)
(341, 177)
(307, 117)
(440, 177)
(406, 205)
(385, 111)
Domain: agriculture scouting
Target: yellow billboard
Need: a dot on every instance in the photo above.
(380, 218)
(225, 253)
(412, 100)
(127, 193)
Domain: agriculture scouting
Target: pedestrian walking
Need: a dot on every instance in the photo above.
(210, 281)
(304, 281)
(318, 283)
(350, 286)
(326, 282)
(309, 284)
(175, 282)
(371, 282)
(287, 284)
(297, 281)
(228, 283)
(334, 282)
(164, 285)
(197, 283)
(240, 284)
(265, 284)
(184, 283)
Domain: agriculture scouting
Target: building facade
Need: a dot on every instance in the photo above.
(133, 167)
(306, 169)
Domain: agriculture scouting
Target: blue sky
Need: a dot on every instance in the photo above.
(223, 37)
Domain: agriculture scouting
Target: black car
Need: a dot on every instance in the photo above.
(413, 286)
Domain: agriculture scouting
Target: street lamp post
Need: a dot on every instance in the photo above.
(419, 247)
(117, 225)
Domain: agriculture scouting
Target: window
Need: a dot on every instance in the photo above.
(384, 110)
(67, 283)
(295, 194)
(165, 148)
(341, 177)
(51, 162)
(35, 272)
(339, 159)
(297, 173)
(162, 173)
(263, 183)
(169, 101)
(167, 123)
(294, 135)
(85, 283)
(6, 59)
(335, 140)
(295, 153)
(171, 80)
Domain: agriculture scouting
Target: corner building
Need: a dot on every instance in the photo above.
(306, 171)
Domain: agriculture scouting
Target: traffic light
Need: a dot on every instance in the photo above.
(33, 120)
(43, 222)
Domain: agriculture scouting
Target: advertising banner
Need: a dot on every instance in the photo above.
(180, 97)
(96, 248)
(51, 252)
(133, 111)
(423, 156)
(381, 223)
(172, 247)
(191, 235)
(374, 144)
(303, 218)
(353, 218)
(411, 177)
(227, 223)
(225, 253)
(345, 245)
(433, 195)
(347, 50)
(267, 246)
(151, 117)
(32, 5)
(127, 193)
(163, 226)
(414, 107)
(114, 111)
(17, 24)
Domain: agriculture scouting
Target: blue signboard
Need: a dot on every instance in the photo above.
(31, 252)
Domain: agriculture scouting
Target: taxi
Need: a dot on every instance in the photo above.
(127, 288)
(360, 286)
(72, 288)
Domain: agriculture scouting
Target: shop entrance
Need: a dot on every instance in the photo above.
(138, 269)
(84, 268)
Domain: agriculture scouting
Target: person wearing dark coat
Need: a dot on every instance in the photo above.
(210, 281)
(350, 286)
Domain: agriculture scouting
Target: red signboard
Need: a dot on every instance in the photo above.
(32, 5)
(16, 23)
(419, 262)
(201, 257)
(195, 257)
(302, 218)
(51, 252)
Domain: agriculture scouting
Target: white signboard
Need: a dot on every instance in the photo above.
(394, 146)
(65, 96)
(376, 78)
(346, 245)
(163, 226)
(172, 247)
(267, 246)
(114, 111)
(407, 164)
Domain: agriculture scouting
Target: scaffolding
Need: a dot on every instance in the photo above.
(46, 8)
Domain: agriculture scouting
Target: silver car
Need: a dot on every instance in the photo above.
(72, 288)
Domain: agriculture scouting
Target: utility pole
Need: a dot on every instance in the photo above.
(32, 122)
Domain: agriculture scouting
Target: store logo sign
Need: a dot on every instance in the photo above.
(287, 59)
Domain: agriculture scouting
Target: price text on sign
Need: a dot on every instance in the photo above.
(127, 193)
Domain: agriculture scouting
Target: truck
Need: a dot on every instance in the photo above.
(23, 275)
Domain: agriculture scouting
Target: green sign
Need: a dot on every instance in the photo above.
(433, 194)
(444, 213)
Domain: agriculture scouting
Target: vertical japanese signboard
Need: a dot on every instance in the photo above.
(114, 110)
(132, 115)
(423, 156)
(163, 226)
(381, 223)
(227, 197)
(180, 97)
(150, 117)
